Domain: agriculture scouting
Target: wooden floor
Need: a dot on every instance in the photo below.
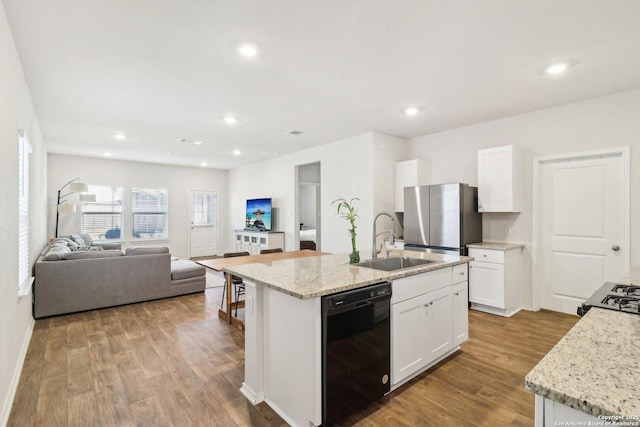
(174, 363)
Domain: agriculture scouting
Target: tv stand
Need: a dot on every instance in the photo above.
(254, 240)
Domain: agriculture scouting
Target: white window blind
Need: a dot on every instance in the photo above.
(103, 219)
(149, 209)
(24, 149)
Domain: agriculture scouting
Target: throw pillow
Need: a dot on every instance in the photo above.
(79, 240)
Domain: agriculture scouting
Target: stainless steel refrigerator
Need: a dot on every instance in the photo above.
(441, 218)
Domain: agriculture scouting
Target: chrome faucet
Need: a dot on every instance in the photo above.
(392, 233)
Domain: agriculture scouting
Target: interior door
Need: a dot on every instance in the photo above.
(582, 228)
(203, 214)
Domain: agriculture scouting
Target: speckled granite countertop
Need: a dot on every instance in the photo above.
(595, 368)
(499, 246)
(327, 274)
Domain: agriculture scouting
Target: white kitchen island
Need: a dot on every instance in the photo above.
(283, 324)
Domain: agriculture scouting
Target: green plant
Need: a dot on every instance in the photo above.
(348, 211)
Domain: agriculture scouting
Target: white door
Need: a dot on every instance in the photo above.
(203, 212)
(582, 227)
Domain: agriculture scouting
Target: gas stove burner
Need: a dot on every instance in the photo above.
(614, 296)
(628, 289)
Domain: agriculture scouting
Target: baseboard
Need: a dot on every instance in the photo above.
(15, 379)
(252, 396)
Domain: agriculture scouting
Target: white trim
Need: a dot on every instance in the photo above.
(626, 230)
(251, 395)
(25, 288)
(15, 378)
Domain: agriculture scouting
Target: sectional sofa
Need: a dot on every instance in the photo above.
(71, 279)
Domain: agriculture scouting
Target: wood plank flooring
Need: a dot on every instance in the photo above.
(174, 363)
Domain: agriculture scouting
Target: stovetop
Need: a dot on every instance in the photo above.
(614, 296)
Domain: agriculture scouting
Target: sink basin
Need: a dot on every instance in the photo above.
(397, 263)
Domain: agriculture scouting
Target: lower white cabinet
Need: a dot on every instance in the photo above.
(494, 280)
(255, 241)
(428, 320)
(460, 313)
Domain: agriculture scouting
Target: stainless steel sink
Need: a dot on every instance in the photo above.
(396, 263)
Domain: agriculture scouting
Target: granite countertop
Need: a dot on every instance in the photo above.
(595, 368)
(499, 246)
(327, 274)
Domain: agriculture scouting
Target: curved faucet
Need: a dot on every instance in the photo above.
(392, 233)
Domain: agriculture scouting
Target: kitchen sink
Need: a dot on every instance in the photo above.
(396, 263)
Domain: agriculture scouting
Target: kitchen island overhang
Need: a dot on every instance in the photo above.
(283, 325)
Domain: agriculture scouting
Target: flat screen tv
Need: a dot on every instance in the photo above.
(258, 215)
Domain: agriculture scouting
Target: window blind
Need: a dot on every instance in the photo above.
(149, 209)
(24, 149)
(103, 219)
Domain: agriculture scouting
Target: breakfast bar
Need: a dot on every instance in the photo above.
(284, 323)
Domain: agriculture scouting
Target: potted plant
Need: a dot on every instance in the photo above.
(347, 210)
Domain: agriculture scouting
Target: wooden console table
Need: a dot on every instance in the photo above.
(219, 264)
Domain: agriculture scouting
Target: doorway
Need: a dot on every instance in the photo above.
(581, 226)
(308, 190)
(203, 217)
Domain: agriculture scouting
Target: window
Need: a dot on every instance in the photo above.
(24, 149)
(103, 219)
(149, 210)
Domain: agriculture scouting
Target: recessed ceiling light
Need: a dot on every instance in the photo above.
(230, 120)
(203, 164)
(237, 152)
(107, 154)
(411, 111)
(558, 68)
(247, 49)
(119, 136)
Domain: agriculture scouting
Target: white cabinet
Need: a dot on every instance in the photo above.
(409, 173)
(460, 297)
(499, 179)
(549, 413)
(494, 280)
(426, 320)
(255, 241)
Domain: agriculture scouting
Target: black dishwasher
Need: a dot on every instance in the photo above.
(356, 350)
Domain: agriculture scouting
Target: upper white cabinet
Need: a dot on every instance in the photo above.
(409, 173)
(499, 179)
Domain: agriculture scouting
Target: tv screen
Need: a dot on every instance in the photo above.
(258, 214)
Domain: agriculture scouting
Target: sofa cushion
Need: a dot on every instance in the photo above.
(56, 252)
(146, 251)
(92, 254)
(185, 269)
(79, 240)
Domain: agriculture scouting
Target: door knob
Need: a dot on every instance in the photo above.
(615, 248)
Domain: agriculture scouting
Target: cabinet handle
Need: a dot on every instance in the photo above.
(462, 273)
(457, 293)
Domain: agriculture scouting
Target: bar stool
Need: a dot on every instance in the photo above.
(238, 286)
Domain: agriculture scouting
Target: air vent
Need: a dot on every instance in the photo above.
(191, 141)
(294, 132)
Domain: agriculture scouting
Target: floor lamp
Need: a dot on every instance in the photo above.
(63, 206)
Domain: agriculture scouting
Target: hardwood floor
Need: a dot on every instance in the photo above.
(174, 363)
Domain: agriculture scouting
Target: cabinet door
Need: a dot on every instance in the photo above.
(408, 338)
(460, 314)
(499, 179)
(486, 284)
(439, 321)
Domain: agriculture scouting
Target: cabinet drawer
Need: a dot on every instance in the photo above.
(412, 286)
(487, 255)
(460, 273)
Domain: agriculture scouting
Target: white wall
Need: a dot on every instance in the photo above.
(16, 112)
(178, 180)
(348, 169)
(604, 122)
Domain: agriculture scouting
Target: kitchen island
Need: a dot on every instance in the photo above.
(593, 373)
(283, 324)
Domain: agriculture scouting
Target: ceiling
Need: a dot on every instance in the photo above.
(162, 70)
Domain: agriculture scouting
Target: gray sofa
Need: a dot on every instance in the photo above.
(68, 281)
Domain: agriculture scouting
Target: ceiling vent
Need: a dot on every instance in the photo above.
(191, 141)
(294, 132)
